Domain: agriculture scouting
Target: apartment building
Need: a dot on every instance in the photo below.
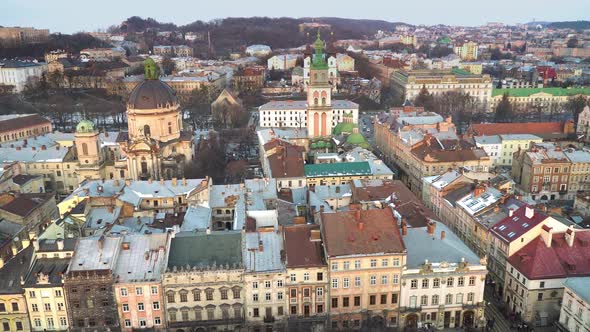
(443, 282)
(574, 315)
(44, 285)
(536, 294)
(13, 305)
(204, 281)
(137, 287)
(365, 255)
(308, 281)
(526, 98)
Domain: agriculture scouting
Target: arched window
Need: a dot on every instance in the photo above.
(84, 149)
(169, 127)
(315, 101)
(323, 101)
(144, 167)
(146, 130)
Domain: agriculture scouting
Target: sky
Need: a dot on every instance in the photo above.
(69, 16)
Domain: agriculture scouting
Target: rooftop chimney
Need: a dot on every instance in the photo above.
(260, 246)
(404, 228)
(174, 182)
(360, 225)
(150, 180)
(357, 215)
(315, 235)
(570, 236)
(510, 212)
(547, 235)
(35, 243)
(184, 181)
(529, 212)
(431, 227)
(442, 235)
(60, 244)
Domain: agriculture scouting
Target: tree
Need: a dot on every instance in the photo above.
(424, 99)
(576, 104)
(210, 158)
(504, 110)
(168, 66)
(199, 104)
(236, 170)
(572, 42)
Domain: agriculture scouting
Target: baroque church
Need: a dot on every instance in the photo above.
(154, 147)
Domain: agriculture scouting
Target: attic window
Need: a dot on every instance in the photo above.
(503, 227)
(511, 234)
(515, 219)
(525, 225)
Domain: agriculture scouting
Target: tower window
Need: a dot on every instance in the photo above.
(323, 101)
(146, 130)
(169, 127)
(84, 149)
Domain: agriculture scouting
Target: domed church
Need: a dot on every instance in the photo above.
(155, 146)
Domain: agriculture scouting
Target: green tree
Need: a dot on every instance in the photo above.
(504, 110)
(572, 42)
(576, 104)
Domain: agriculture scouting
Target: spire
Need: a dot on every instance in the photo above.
(151, 69)
(318, 58)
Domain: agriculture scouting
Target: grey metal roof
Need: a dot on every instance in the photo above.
(201, 250)
(580, 286)
(422, 246)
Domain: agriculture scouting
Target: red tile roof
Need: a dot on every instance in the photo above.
(24, 204)
(406, 203)
(537, 261)
(512, 228)
(286, 161)
(374, 232)
(300, 250)
(517, 128)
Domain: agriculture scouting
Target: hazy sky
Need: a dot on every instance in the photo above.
(69, 16)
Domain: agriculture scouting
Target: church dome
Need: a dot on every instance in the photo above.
(85, 126)
(151, 94)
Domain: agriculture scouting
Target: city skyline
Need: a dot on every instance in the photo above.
(42, 14)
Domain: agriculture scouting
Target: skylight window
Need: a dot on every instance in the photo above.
(525, 225)
(511, 234)
(515, 218)
(503, 227)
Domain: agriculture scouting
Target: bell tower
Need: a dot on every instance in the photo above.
(319, 94)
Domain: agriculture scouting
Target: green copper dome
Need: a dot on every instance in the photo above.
(355, 139)
(318, 58)
(85, 126)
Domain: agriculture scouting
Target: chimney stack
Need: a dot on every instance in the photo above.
(547, 235)
(357, 215)
(510, 212)
(35, 243)
(404, 228)
(570, 236)
(184, 181)
(174, 182)
(360, 225)
(60, 244)
(529, 212)
(431, 227)
(260, 246)
(442, 235)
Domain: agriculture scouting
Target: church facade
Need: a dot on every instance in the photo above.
(319, 114)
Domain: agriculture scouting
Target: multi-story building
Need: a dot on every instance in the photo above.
(20, 75)
(442, 282)
(337, 173)
(534, 293)
(410, 83)
(526, 98)
(510, 234)
(103, 53)
(13, 305)
(89, 282)
(545, 130)
(542, 172)
(249, 79)
(284, 162)
(579, 179)
(176, 50)
(22, 126)
(44, 286)
(10, 36)
(583, 125)
(365, 255)
(467, 51)
(574, 315)
(138, 288)
(204, 281)
(307, 282)
(514, 142)
(492, 145)
(282, 62)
